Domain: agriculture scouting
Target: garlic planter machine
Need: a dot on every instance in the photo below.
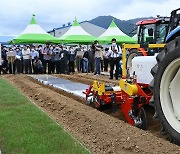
(133, 92)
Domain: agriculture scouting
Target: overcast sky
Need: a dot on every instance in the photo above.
(15, 14)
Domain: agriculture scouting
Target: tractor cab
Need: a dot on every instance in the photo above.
(152, 31)
(174, 26)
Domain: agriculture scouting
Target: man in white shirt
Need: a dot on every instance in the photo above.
(26, 60)
(114, 55)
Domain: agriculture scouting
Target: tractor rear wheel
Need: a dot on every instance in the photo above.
(133, 53)
(166, 89)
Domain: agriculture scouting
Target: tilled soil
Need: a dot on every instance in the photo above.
(100, 132)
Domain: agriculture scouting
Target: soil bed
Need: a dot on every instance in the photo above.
(100, 132)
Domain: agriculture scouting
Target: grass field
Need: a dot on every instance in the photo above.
(26, 129)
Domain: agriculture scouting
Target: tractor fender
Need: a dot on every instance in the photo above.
(173, 34)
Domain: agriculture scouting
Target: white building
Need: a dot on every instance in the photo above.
(86, 25)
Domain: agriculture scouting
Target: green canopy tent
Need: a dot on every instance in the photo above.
(33, 33)
(114, 32)
(76, 35)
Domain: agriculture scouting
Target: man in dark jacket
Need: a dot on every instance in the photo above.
(64, 54)
(91, 59)
(72, 56)
(85, 61)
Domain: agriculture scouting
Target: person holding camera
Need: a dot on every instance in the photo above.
(115, 57)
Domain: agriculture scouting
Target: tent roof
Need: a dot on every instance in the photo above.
(114, 32)
(33, 33)
(76, 34)
(33, 21)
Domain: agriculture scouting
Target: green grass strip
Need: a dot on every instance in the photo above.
(25, 129)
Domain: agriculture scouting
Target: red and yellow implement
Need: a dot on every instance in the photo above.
(131, 96)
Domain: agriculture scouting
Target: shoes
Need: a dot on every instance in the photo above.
(110, 78)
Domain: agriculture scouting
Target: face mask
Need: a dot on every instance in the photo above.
(113, 44)
(17, 49)
(32, 49)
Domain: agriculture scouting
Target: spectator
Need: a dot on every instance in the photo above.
(64, 60)
(72, 56)
(33, 54)
(26, 60)
(3, 52)
(41, 54)
(4, 66)
(114, 53)
(38, 66)
(56, 57)
(102, 60)
(85, 61)
(106, 59)
(79, 57)
(47, 58)
(52, 59)
(18, 61)
(91, 55)
(98, 55)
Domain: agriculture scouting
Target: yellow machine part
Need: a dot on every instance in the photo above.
(129, 46)
(130, 89)
(99, 87)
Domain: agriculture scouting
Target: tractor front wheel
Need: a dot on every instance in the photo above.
(166, 90)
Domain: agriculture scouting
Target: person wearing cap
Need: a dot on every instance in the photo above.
(26, 59)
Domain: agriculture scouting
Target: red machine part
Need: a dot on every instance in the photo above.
(126, 101)
(146, 22)
(143, 51)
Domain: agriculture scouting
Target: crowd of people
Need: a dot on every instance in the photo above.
(61, 59)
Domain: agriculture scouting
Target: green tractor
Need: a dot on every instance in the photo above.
(166, 82)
